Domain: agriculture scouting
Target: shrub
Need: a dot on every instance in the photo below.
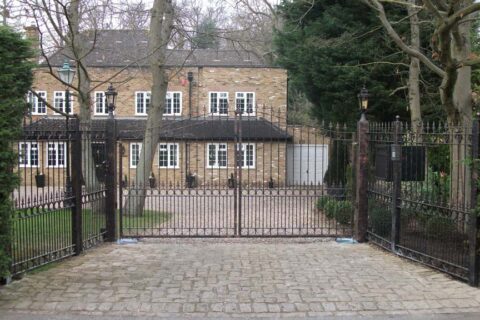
(344, 212)
(380, 218)
(321, 202)
(330, 207)
(438, 227)
(15, 80)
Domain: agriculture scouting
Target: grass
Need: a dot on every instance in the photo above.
(149, 219)
(41, 231)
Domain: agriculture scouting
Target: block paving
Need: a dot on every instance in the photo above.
(238, 277)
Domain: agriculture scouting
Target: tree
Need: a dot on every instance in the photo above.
(15, 80)
(206, 35)
(161, 24)
(330, 51)
(452, 61)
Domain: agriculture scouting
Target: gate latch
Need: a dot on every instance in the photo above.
(396, 152)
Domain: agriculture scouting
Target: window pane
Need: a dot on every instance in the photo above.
(213, 102)
(163, 156)
(34, 154)
(211, 155)
(176, 103)
(222, 155)
(23, 154)
(173, 155)
(223, 103)
(249, 155)
(249, 102)
(147, 101)
(51, 155)
(140, 105)
(61, 154)
(41, 107)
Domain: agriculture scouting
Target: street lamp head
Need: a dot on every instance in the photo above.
(363, 99)
(111, 96)
(66, 73)
(190, 76)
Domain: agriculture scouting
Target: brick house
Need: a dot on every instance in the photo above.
(199, 124)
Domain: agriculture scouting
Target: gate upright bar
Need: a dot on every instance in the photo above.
(361, 208)
(473, 226)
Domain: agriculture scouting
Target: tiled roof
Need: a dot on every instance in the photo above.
(115, 48)
(218, 129)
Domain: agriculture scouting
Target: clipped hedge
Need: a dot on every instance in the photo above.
(340, 210)
(15, 80)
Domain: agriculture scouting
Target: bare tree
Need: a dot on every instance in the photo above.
(414, 69)
(161, 25)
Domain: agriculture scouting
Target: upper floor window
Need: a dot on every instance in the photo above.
(28, 154)
(218, 103)
(216, 155)
(100, 103)
(247, 155)
(37, 106)
(168, 155)
(59, 101)
(135, 149)
(56, 154)
(142, 102)
(173, 103)
(245, 102)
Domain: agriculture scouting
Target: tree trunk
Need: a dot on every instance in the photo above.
(414, 72)
(160, 31)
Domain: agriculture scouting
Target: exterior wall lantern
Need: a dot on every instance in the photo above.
(111, 96)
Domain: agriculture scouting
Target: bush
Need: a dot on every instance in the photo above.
(15, 80)
(344, 212)
(380, 218)
(321, 202)
(330, 207)
(439, 227)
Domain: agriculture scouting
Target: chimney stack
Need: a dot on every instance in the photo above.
(33, 34)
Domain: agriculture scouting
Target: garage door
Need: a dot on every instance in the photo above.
(306, 163)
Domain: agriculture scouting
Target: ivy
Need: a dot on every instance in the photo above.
(15, 80)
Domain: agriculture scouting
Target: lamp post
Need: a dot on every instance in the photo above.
(110, 97)
(363, 96)
(66, 75)
(190, 178)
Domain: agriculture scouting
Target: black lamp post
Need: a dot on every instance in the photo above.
(111, 96)
(66, 75)
(190, 177)
(363, 96)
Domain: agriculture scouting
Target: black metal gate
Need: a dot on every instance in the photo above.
(216, 176)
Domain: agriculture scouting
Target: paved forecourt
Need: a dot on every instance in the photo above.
(247, 278)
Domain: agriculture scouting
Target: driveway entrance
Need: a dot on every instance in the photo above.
(238, 277)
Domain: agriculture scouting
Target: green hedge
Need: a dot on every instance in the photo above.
(340, 210)
(15, 80)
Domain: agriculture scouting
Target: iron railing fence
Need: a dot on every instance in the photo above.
(422, 192)
(215, 176)
(53, 191)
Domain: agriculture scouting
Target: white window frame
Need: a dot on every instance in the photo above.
(104, 107)
(218, 93)
(243, 155)
(245, 93)
(217, 151)
(147, 97)
(35, 102)
(139, 145)
(28, 155)
(57, 153)
(169, 148)
(170, 96)
(61, 95)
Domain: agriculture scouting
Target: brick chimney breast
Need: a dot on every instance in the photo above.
(33, 34)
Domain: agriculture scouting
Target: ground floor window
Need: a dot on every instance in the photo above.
(28, 154)
(217, 155)
(135, 148)
(56, 154)
(168, 155)
(247, 155)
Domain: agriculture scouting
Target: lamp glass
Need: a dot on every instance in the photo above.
(111, 95)
(363, 98)
(66, 73)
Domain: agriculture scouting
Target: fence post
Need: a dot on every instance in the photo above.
(396, 157)
(110, 185)
(474, 249)
(76, 160)
(361, 208)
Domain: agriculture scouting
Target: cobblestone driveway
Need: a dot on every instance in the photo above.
(248, 277)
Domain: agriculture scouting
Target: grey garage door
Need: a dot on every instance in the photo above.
(306, 163)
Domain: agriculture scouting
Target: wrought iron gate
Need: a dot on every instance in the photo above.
(216, 176)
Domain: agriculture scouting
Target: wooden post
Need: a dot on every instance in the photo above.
(473, 219)
(110, 179)
(76, 159)
(396, 157)
(361, 208)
